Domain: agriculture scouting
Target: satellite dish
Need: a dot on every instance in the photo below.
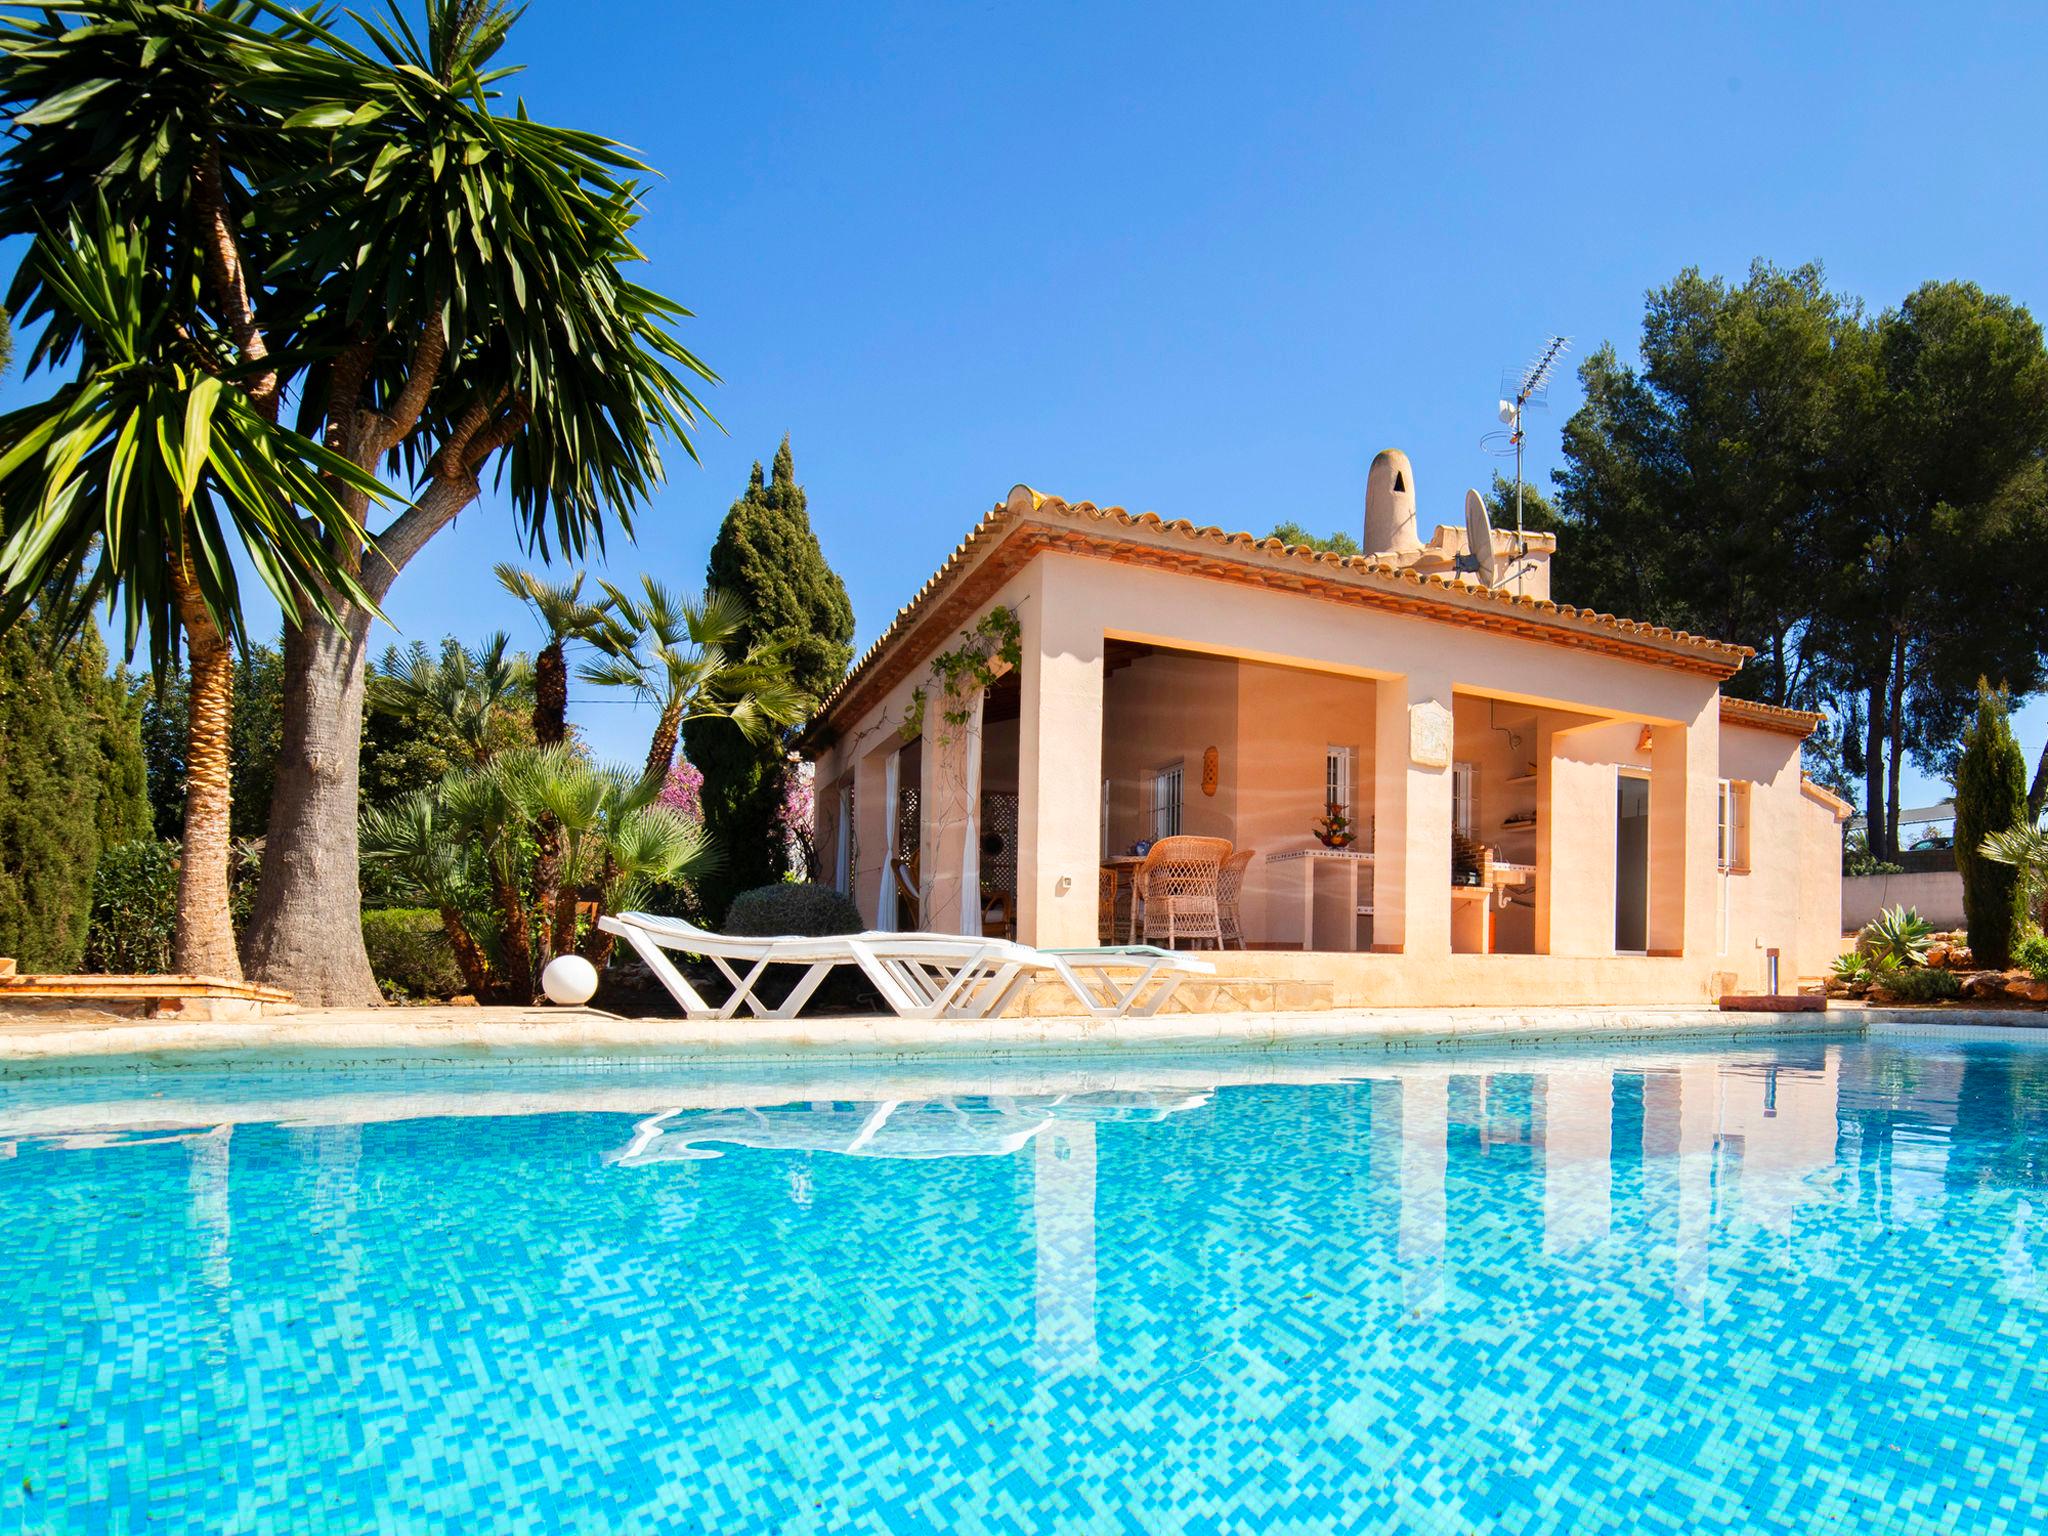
(1479, 540)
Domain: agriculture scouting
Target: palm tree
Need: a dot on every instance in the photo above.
(675, 654)
(142, 480)
(466, 690)
(441, 285)
(564, 616)
(466, 845)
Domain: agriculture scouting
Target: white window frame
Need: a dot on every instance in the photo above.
(1337, 787)
(1166, 800)
(1732, 819)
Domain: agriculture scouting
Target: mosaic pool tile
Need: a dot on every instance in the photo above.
(1782, 1287)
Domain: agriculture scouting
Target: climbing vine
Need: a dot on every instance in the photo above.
(991, 648)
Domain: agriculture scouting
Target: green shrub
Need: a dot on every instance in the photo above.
(1991, 797)
(809, 911)
(1922, 984)
(410, 953)
(1897, 936)
(1869, 864)
(134, 909)
(2032, 952)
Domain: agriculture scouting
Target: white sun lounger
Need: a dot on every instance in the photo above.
(919, 975)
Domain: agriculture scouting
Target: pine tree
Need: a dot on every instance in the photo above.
(71, 785)
(767, 556)
(1991, 796)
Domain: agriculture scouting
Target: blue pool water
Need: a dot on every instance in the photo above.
(1795, 1286)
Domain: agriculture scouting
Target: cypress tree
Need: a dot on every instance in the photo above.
(71, 785)
(767, 555)
(1991, 796)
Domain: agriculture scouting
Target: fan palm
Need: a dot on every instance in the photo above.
(464, 689)
(466, 845)
(2025, 848)
(564, 616)
(677, 654)
(143, 480)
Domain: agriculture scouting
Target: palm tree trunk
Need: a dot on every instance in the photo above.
(205, 942)
(307, 933)
(565, 921)
(661, 751)
(550, 696)
(550, 728)
(469, 956)
(1875, 820)
(515, 941)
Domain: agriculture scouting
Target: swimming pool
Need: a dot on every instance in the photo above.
(1796, 1285)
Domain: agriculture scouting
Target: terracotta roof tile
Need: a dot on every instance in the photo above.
(1025, 506)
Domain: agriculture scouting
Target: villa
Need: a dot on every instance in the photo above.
(1534, 804)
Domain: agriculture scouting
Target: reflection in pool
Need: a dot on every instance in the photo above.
(1778, 1286)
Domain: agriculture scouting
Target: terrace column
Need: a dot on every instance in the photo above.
(1684, 781)
(870, 831)
(1412, 814)
(1059, 760)
(948, 809)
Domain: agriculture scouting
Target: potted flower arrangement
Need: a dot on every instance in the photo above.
(1334, 830)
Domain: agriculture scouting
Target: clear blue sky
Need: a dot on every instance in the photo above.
(1208, 260)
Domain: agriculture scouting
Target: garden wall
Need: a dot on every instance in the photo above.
(1938, 895)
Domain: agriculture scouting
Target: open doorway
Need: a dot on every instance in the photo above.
(1631, 864)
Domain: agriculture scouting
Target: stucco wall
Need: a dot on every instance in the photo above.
(1277, 676)
(1938, 898)
(1790, 899)
(1291, 718)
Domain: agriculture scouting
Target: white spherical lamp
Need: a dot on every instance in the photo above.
(569, 980)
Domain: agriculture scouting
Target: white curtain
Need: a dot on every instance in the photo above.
(892, 777)
(970, 848)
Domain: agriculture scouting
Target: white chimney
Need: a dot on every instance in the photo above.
(1390, 506)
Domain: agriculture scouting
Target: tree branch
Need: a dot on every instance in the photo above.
(452, 486)
(389, 551)
(229, 280)
(500, 435)
(425, 367)
(2037, 797)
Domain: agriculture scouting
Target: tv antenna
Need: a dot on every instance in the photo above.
(1518, 396)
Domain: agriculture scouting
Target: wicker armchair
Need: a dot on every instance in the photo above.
(1105, 903)
(1229, 888)
(1174, 892)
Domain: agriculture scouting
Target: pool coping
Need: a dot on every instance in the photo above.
(449, 1037)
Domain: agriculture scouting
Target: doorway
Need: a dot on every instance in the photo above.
(1631, 864)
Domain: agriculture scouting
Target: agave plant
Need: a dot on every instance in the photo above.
(1852, 969)
(1897, 937)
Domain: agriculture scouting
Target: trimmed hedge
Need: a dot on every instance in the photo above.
(805, 910)
(410, 954)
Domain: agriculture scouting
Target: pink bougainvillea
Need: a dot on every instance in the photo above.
(798, 799)
(684, 790)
